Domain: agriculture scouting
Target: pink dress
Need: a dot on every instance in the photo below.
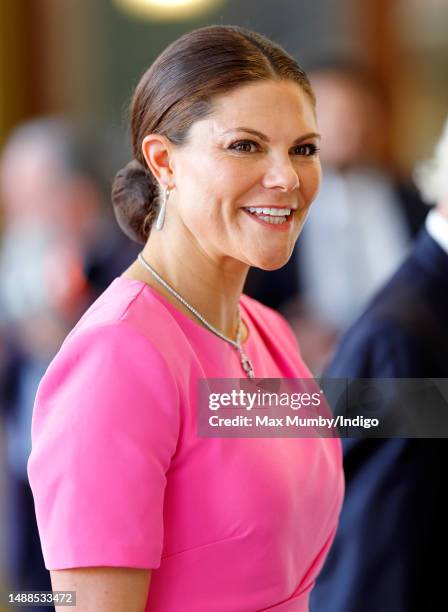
(121, 479)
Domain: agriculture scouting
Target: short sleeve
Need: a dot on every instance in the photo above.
(105, 428)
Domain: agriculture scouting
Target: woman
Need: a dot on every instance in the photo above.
(133, 507)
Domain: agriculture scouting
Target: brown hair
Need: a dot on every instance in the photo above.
(177, 90)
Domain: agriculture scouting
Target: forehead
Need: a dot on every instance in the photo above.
(272, 107)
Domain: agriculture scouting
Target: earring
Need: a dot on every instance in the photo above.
(161, 215)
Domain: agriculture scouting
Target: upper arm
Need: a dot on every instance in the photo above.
(105, 428)
(104, 589)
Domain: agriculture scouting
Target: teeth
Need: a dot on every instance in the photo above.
(273, 220)
(274, 212)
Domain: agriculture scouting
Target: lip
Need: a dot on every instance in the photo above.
(280, 227)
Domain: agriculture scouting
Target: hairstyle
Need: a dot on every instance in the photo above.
(431, 176)
(177, 90)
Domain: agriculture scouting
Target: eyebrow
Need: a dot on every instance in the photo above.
(265, 138)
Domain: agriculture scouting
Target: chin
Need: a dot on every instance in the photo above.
(269, 263)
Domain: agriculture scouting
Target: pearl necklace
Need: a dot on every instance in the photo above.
(246, 363)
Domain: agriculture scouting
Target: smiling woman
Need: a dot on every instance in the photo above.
(135, 510)
(222, 173)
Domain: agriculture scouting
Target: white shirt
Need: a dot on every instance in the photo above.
(437, 228)
(355, 238)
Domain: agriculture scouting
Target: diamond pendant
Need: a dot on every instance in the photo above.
(247, 365)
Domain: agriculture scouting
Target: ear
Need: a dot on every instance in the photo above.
(156, 150)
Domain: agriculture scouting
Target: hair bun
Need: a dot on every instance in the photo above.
(134, 196)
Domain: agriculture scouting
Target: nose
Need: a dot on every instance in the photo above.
(282, 175)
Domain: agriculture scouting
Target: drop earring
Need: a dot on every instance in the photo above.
(161, 216)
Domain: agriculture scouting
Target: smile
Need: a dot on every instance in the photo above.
(270, 216)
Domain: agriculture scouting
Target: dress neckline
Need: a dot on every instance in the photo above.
(179, 313)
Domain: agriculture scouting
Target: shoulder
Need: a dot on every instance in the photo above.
(106, 376)
(109, 345)
(129, 321)
(107, 379)
(107, 418)
(124, 301)
(111, 359)
(425, 264)
(410, 294)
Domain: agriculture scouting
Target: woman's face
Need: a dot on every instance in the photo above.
(246, 177)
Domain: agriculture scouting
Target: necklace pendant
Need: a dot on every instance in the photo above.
(245, 361)
(247, 365)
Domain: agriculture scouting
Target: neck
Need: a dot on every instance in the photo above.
(213, 286)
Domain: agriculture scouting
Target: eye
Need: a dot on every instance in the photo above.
(244, 146)
(308, 150)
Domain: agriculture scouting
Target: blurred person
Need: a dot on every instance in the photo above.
(53, 222)
(54, 189)
(135, 510)
(362, 222)
(392, 533)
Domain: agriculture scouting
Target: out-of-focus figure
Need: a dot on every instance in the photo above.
(57, 253)
(360, 225)
(358, 231)
(392, 536)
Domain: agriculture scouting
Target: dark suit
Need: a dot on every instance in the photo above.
(394, 523)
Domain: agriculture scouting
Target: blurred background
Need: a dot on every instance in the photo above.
(67, 71)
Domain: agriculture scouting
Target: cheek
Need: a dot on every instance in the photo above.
(311, 179)
(201, 202)
(218, 188)
(229, 179)
(202, 179)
